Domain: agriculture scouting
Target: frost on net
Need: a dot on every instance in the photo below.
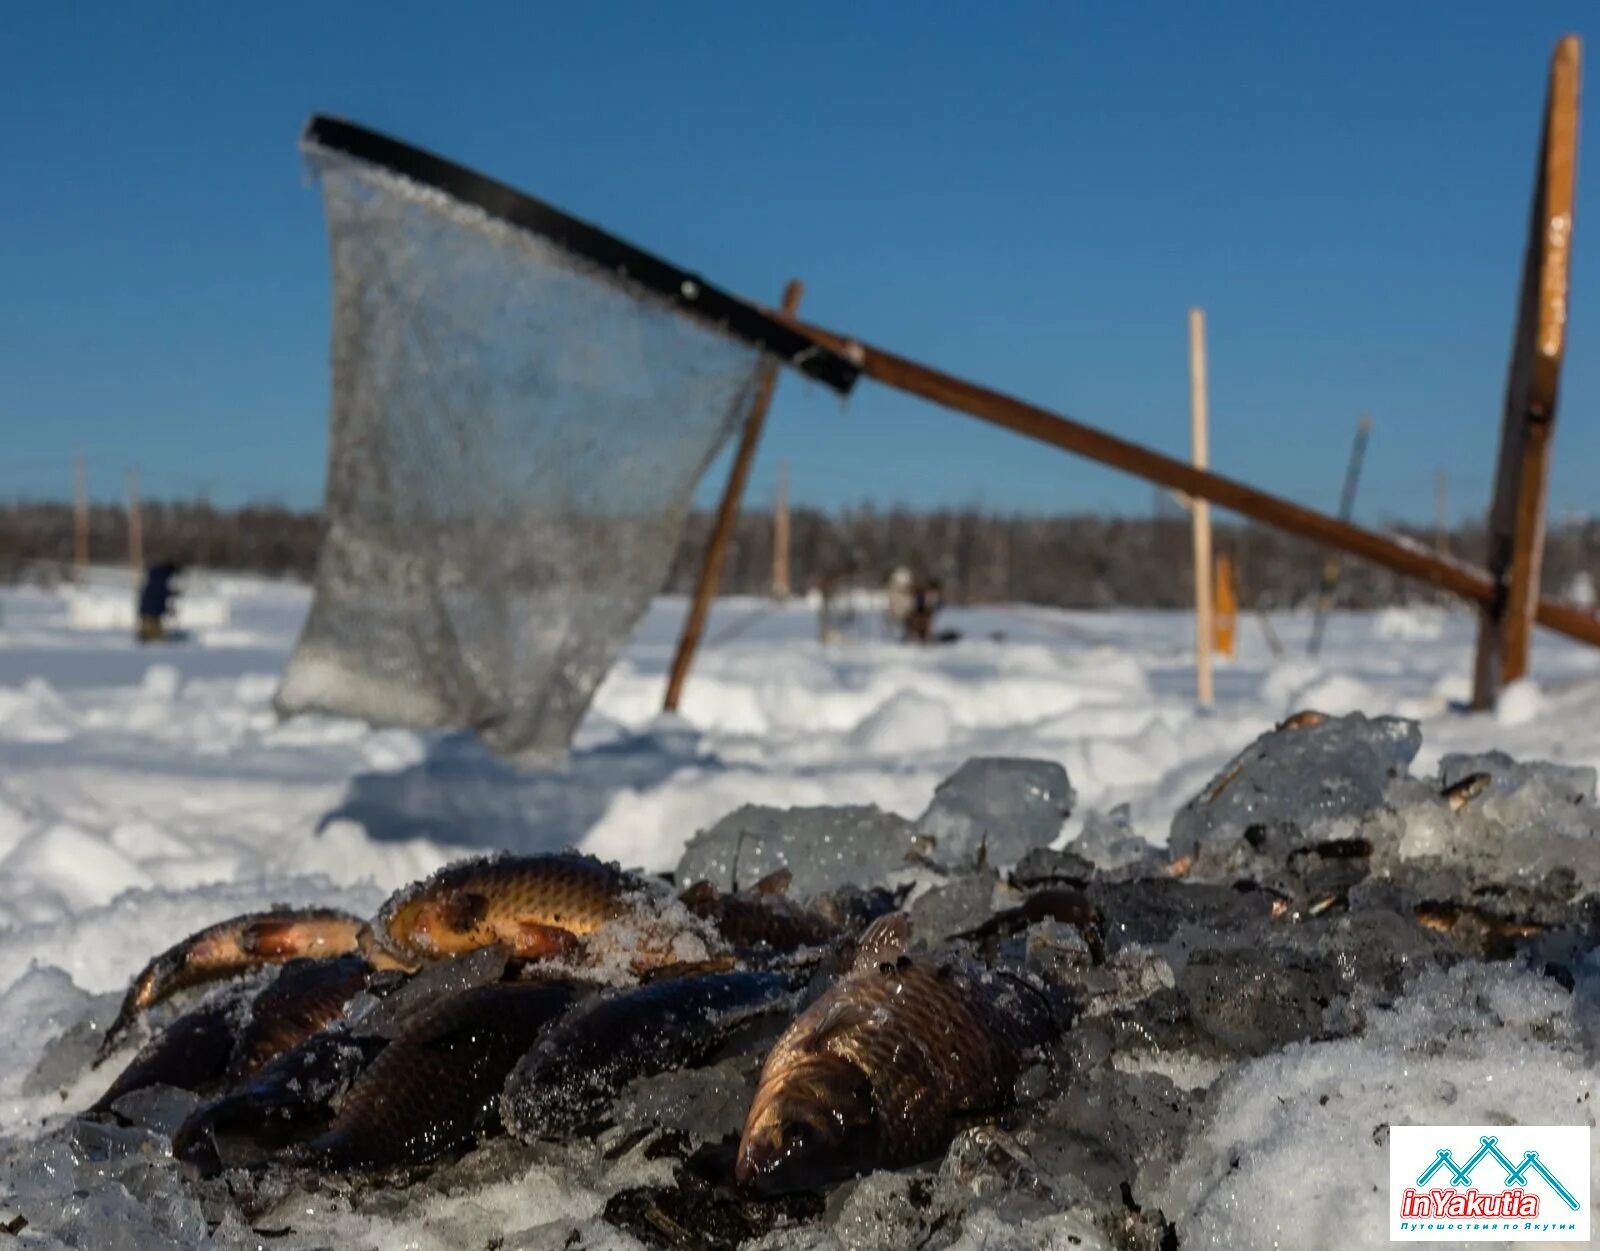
(515, 434)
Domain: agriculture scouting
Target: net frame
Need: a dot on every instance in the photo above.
(456, 686)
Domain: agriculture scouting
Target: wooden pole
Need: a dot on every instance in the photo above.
(1200, 514)
(780, 535)
(1517, 516)
(80, 518)
(727, 513)
(1347, 504)
(1441, 512)
(203, 540)
(1411, 560)
(1274, 644)
(135, 528)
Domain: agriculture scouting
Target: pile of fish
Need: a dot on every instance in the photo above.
(816, 1061)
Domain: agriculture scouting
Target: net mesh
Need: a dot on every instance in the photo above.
(514, 439)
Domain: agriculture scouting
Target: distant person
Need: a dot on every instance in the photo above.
(926, 601)
(155, 601)
(929, 598)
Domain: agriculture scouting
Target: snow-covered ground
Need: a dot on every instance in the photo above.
(130, 776)
(146, 791)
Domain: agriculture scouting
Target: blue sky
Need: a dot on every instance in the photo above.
(1031, 195)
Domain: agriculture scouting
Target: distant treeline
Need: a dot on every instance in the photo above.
(1085, 561)
(1071, 561)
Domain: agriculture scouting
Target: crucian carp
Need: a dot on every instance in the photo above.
(229, 947)
(885, 1066)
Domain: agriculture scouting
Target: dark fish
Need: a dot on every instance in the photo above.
(289, 1099)
(304, 999)
(579, 1064)
(231, 947)
(536, 906)
(437, 1085)
(884, 1067)
(190, 1054)
(763, 918)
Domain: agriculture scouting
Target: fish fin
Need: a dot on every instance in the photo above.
(701, 895)
(688, 968)
(775, 883)
(883, 942)
(840, 1015)
(462, 911)
(533, 941)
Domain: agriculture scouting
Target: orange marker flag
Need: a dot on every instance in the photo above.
(1227, 610)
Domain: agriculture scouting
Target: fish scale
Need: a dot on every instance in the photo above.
(936, 1043)
(531, 903)
(305, 997)
(881, 1070)
(432, 1088)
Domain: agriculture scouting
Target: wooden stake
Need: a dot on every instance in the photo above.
(1200, 514)
(1009, 413)
(80, 518)
(780, 535)
(135, 528)
(727, 513)
(1517, 516)
(1347, 504)
(1441, 512)
(1268, 632)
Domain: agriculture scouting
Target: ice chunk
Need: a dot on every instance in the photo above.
(1108, 840)
(1530, 825)
(988, 1230)
(885, 1210)
(160, 1108)
(824, 848)
(1010, 806)
(104, 1187)
(1254, 1000)
(1301, 779)
(962, 904)
(1152, 910)
(1044, 866)
(40, 1008)
(707, 1103)
(1110, 1130)
(1574, 784)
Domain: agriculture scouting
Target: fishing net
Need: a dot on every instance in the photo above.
(515, 433)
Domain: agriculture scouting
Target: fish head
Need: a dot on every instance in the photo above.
(814, 1125)
(439, 923)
